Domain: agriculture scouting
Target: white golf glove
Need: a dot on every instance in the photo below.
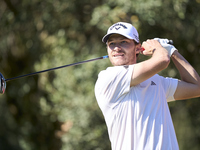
(165, 43)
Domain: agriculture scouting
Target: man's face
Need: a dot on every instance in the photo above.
(121, 50)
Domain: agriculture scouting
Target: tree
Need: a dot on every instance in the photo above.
(58, 110)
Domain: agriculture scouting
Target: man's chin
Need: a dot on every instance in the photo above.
(118, 64)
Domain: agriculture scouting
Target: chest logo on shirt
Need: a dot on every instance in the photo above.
(126, 66)
(153, 83)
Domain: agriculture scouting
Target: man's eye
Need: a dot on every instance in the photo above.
(123, 42)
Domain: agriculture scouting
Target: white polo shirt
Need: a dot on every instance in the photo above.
(138, 117)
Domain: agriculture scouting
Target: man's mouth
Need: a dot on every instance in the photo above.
(118, 55)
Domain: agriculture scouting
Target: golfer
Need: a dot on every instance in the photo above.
(133, 97)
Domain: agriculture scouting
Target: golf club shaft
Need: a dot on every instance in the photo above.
(73, 64)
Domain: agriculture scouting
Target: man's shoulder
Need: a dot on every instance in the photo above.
(114, 70)
(117, 68)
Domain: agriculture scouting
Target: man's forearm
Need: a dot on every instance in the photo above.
(187, 72)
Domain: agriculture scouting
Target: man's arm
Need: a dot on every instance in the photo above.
(189, 85)
(146, 69)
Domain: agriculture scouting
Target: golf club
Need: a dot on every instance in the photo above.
(3, 80)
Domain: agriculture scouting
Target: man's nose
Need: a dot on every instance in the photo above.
(117, 47)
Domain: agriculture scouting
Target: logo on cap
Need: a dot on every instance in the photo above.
(118, 24)
(117, 28)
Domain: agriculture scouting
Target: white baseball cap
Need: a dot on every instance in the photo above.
(122, 28)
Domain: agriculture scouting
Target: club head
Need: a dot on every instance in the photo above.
(2, 84)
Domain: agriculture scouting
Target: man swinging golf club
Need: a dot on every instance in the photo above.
(133, 97)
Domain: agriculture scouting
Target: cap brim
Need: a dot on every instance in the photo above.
(106, 37)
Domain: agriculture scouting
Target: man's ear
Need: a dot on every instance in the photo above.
(138, 48)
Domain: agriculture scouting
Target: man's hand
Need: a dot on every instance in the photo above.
(150, 46)
(165, 43)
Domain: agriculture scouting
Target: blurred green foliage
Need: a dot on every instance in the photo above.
(57, 110)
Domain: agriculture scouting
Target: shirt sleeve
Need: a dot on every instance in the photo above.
(170, 85)
(113, 83)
